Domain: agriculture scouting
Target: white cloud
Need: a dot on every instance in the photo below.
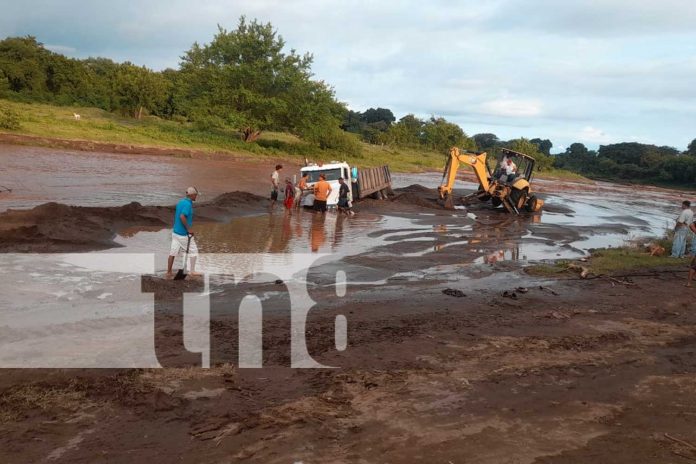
(593, 135)
(605, 18)
(512, 108)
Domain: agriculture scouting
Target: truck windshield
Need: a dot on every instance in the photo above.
(331, 174)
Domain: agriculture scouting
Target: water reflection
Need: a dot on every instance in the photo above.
(277, 232)
(317, 233)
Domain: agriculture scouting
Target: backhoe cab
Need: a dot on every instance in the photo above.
(507, 185)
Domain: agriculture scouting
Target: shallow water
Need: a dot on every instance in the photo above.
(52, 301)
(578, 217)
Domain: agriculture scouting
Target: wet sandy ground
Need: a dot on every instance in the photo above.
(570, 372)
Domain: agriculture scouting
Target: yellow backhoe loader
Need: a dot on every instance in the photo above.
(507, 185)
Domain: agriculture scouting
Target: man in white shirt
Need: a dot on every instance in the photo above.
(681, 230)
(508, 170)
(274, 184)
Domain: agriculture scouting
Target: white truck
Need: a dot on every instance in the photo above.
(375, 182)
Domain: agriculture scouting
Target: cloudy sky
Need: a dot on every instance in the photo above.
(591, 71)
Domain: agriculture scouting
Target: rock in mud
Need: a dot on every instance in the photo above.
(454, 292)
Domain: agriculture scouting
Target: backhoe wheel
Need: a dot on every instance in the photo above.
(482, 194)
(518, 197)
(495, 201)
(531, 205)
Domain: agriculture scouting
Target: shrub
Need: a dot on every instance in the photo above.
(9, 118)
(203, 123)
(180, 119)
(333, 138)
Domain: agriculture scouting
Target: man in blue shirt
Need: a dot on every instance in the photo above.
(181, 233)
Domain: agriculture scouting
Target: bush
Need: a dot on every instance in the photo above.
(204, 123)
(333, 138)
(179, 119)
(9, 118)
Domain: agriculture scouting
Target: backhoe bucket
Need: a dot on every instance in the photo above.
(445, 199)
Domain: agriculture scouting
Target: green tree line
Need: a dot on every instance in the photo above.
(245, 79)
(242, 79)
(632, 161)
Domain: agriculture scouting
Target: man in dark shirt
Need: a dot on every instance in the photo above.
(343, 197)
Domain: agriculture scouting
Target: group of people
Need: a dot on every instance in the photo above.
(183, 240)
(321, 190)
(685, 228)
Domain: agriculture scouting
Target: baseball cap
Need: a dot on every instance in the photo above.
(191, 190)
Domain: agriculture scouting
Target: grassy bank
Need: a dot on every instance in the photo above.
(101, 126)
(610, 261)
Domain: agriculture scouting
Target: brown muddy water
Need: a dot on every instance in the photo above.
(53, 300)
(578, 216)
(39, 175)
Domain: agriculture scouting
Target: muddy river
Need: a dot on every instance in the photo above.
(54, 298)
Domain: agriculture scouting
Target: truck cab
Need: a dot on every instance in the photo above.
(333, 171)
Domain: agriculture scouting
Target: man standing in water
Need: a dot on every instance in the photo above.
(275, 178)
(181, 233)
(322, 190)
(301, 187)
(681, 230)
(343, 200)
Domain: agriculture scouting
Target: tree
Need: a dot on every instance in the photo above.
(440, 135)
(372, 124)
(681, 170)
(352, 122)
(576, 158)
(408, 132)
(636, 160)
(543, 145)
(138, 89)
(525, 146)
(21, 65)
(377, 115)
(245, 79)
(486, 142)
(691, 149)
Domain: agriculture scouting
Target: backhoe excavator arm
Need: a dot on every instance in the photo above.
(477, 160)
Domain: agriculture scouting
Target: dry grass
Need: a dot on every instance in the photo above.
(20, 400)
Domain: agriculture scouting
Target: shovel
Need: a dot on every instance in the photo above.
(181, 273)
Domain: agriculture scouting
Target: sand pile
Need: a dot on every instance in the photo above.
(54, 227)
(412, 198)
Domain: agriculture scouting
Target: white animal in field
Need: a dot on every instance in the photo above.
(76, 116)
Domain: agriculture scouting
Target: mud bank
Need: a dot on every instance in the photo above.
(54, 227)
(588, 372)
(566, 372)
(107, 147)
